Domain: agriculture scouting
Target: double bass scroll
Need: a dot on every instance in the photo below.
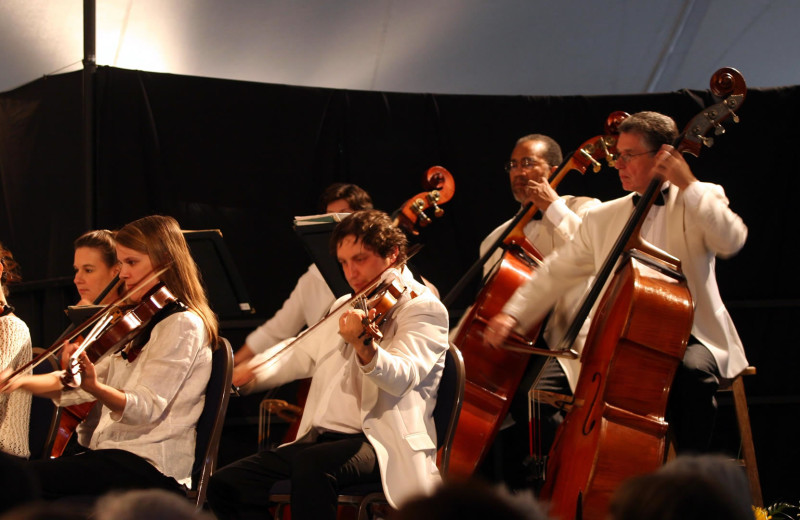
(413, 214)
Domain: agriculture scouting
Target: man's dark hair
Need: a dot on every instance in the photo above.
(656, 129)
(355, 196)
(375, 230)
(552, 151)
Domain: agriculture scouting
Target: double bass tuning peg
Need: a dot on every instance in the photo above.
(433, 198)
(418, 208)
(595, 165)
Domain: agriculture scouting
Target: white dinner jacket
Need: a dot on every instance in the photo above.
(547, 237)
(398, 393)
(695, 235)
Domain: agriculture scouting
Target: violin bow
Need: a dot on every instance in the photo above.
(102, 316)
(353, 301)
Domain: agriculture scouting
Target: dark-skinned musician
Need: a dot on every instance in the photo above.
(695, 225)
(369, 413)
(534, 159)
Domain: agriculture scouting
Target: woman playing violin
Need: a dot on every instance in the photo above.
(15, 351)
(95, 265)
(151, 402)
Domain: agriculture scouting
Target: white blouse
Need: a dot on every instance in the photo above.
(165, 391)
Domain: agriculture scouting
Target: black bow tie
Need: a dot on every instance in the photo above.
(660, 200)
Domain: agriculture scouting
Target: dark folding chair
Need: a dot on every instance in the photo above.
(209, 425)
(445, 417)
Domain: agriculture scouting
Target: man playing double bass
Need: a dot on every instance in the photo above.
(694, 224)
(533, 160)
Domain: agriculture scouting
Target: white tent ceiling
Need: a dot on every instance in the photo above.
(533, 47)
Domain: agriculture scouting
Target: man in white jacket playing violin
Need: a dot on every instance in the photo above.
(369, 413)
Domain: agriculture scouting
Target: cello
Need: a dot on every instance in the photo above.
(616, 425)
(493, 375)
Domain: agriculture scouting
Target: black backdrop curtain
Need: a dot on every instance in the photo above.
(246, 157)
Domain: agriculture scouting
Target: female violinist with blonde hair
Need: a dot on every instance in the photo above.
(151, 392)
(15, 351)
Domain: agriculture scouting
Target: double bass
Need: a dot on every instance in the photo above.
(616, 426)
(493, 375)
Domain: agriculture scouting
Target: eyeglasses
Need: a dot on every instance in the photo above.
(626, 157)
(524, 163)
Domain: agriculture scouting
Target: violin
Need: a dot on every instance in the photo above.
(91, 322)
(440, 187)
(382, 299)
(115, 331)
(381, 292)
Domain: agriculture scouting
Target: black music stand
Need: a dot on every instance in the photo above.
(226, 292)
(315, 233)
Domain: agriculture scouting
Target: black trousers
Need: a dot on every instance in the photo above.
(94, 473)
(509, 460)
(692, 405)
(317, 471)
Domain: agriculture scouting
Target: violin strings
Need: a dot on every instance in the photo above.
(98, 329)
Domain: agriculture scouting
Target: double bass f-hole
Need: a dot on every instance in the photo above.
(597, 378)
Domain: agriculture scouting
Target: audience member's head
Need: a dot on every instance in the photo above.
(44, 511)
(687, 488)
(471, 499)
(145, 504)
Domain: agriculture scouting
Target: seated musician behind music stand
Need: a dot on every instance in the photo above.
(694, 224)
(150, 404)
(311, 297)
(534, 159)
(370, 403)
(95, 265)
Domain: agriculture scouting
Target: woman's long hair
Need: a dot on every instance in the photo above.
(161, 239)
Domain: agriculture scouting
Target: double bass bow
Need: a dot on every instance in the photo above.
(616, 426)
(493, 375)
